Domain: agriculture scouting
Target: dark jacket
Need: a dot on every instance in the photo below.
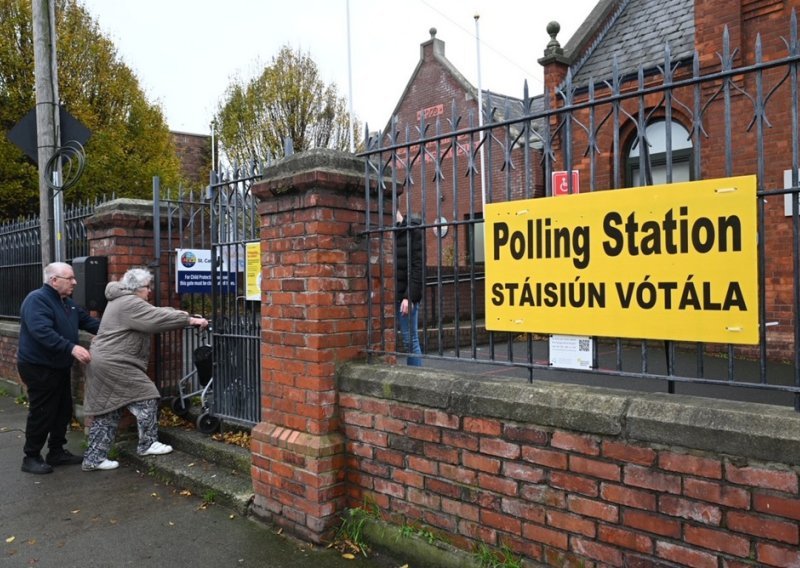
(410, 259)
(49, 328)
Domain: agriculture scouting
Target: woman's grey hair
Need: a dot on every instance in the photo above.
(136, 278)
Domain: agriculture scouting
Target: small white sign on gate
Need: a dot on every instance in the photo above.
(571, 351)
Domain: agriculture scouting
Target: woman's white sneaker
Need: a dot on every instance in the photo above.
(103, 465)
(157, 449)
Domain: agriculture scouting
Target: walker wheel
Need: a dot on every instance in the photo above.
(179, 407)
(207, 424)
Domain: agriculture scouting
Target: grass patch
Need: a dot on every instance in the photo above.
(504, 558)
(349, 539)
(409, 530)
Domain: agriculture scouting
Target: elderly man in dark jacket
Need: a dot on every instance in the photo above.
(48, 345)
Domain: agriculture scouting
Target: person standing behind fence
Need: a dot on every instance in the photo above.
(117, 377)
(48, 346)
(408, 275)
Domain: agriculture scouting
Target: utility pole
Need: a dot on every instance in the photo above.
(350, 83)
(47, 115)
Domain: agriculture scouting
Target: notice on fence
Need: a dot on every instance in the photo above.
(570, 351)
(253, 271)
(193, 273)
(675, 261)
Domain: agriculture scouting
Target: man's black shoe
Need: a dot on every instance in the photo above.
(35, 465)
(64, 457)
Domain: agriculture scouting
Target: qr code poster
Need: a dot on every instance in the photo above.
(570, 352)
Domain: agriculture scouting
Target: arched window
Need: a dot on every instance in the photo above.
(657, 150)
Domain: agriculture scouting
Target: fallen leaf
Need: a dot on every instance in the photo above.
(11, 539)
(32, 541)
(75, 512)
(348, 556)
(185, 493)
(190, 465)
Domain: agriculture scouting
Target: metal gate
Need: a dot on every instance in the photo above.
(237, 314)
(223, 220)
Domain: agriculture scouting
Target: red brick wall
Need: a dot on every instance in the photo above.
(557, 495)
(9, 341)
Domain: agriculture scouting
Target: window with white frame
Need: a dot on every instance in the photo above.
(656, 134)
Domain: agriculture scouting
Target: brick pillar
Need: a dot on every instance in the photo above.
(122, 230)
(314, 314)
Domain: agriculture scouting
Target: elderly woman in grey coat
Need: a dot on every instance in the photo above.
(116, 378)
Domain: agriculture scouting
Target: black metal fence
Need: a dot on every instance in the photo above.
(713, 124)
(21, 255)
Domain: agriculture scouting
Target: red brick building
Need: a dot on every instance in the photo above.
(442, 181)
(439, 101)
(194, 152)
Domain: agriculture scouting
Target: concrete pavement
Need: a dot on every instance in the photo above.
(124, 517)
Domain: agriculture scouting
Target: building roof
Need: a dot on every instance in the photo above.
(636, 32)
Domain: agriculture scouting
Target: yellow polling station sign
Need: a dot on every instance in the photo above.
(675, 261)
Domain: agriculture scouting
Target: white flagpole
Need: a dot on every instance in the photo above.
(350, 83)
(480, 110)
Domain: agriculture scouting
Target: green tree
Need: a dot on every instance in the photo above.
(288, 99)
(130, 141)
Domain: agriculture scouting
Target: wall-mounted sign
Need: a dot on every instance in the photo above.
(560, 182)
(570, 351)
(253, 270)
(675, 261)
(193, 273)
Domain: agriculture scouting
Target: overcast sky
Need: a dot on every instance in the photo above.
(186, 52)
